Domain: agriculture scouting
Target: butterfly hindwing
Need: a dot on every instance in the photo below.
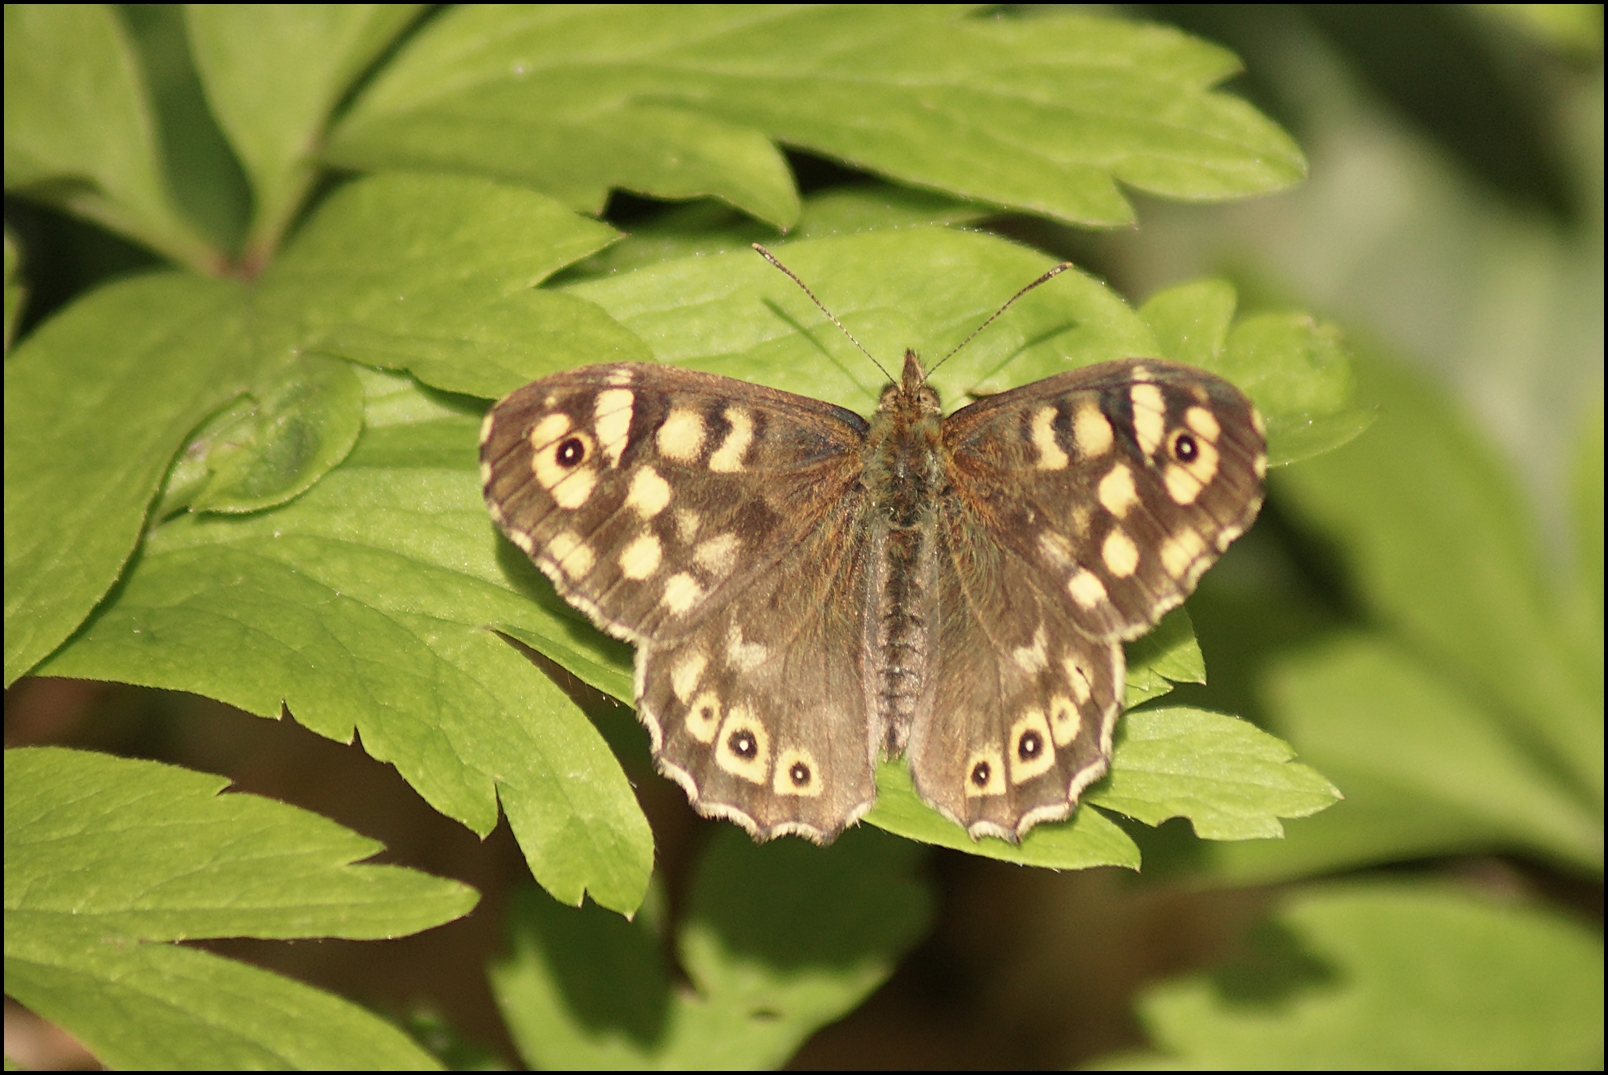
(1025, 701)
(759, 712)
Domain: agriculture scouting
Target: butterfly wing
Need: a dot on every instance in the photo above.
(1117, 484)
(702, 519)
(1081, 508)
(649, 493)
(759, 713)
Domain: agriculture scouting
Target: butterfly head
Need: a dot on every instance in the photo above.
(912, 397)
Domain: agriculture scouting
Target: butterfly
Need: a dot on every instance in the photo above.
(809, 590)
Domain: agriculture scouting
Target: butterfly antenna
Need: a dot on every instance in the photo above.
(1057, 271)
(768, 256)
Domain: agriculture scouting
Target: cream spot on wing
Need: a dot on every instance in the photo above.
(744, 656)
(1064, 719)
(620, 376)
(703, 717)
(1121, 555)
(681, 593)
(688, 673)
(1202, 466)
(985, 774)
(575, 488)
(1029, 746)
(1149, 416)
(743, 748)
(681, 437)
(1117, 492)
(1082, 689)
(611, 417)
(1091, 430)
(549, 429)
(728, 458)
(1086, 590)
(649, 493)
(1082, 514)
(1032, 658)
(797, 773)
(1051, 457)
(718, 555)
(1182, 486)
(570, 554)
(687, 524)
(1260, 465)
(1056, 549)
(1257, 423)
(561, 460)
(1204, 422)
(640, 559)
(1227, 536)
(1180, 551)
(1142, 373)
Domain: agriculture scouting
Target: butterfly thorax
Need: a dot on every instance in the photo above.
(904, 480)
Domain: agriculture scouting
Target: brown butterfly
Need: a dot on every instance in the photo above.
(809, 590)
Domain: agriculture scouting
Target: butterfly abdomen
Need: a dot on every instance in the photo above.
(904, 479)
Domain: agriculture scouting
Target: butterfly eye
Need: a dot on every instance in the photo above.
(571, 452)
(1184, 448)
(743, 744)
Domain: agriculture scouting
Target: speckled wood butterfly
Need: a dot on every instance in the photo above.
(808, 590)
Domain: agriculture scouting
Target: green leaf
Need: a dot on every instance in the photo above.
(776, 940)
(924, 288)
(272, 75)
(1586, 517)
(90, 149)
(1192, 321)
(1044, 114)
(1299, 374)
(226, 608)
(1087, 838)
(434, 274)
(708, 227)
(1436, 540)
(1167, 655)
(1427, 770)
(101, 862)
(16, 292)
(1230, 778)
(1391, 976)
(96, 403)
(362, 607)
(273, 445)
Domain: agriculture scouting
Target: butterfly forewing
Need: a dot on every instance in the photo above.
(1116, 485)
(648, 494)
